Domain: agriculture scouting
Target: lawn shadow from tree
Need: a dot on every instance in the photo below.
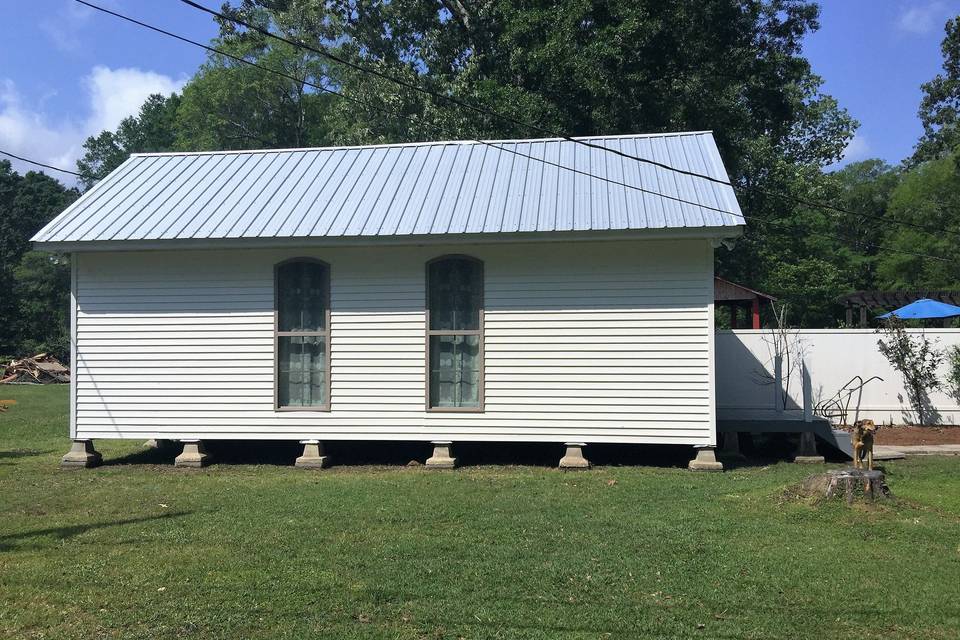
(154, 456)
(24, 453)
(69, 531)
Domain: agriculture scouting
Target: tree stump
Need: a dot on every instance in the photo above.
(851, 484)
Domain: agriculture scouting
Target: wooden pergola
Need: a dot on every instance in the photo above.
(862, 302)
(735, 297)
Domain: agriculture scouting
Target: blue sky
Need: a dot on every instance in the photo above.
(67, 72)
(873, 56)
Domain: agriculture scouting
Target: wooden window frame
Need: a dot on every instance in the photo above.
(277, 334)
(481, 390)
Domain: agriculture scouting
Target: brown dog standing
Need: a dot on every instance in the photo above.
(862, 439)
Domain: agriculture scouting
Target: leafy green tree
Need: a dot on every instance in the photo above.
(809, 256)
(592, 67)
(864, 187)
(232, 105)
(42, 292)
(583, 67)
(153, 129)
(10, 241)
(26, 203)
(578, 67)
(940, 107)
(812, 284)
(589, 67)
(918, 359)
(928, 196)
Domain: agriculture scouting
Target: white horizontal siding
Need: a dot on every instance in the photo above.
(595, 342)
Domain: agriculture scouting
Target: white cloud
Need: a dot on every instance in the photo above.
(924, 18)
(118, 93)
(110, 95)
(858, 149)
(27, 133)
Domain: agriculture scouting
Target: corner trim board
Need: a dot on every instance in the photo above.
(73, 344)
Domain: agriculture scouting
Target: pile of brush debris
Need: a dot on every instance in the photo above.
(42, 368)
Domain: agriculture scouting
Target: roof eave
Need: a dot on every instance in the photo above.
(676, 233)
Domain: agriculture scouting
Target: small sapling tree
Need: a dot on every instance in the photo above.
(917, 359)
(953, 371)
(784, 343)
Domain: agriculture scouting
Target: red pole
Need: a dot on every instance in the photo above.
(756, 313)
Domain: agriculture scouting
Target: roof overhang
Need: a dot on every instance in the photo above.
(728, 291)
(674, 233)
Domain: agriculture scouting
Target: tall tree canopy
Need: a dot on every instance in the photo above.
(579, 67)
(32, 308)
(232, 105)
(809, 256)
(929, 197)
(940, 107)
(153, 129)
(593, 67)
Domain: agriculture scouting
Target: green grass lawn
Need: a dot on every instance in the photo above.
(138, 550)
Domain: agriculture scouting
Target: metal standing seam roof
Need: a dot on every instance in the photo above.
(405, 190)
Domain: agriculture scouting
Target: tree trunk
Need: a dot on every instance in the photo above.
(851, 484)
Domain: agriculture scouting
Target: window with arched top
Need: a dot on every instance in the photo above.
(302, 309)
(455, 334)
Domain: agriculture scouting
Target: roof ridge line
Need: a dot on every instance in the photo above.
(432, 143)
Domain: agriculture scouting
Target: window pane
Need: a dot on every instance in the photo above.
(301, 296)
(454, 371)
(456, 287)
(302, 371)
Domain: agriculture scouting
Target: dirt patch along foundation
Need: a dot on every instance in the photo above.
(907, 435)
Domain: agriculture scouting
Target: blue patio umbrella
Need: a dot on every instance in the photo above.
(924, 308)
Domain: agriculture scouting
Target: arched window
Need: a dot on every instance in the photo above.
(455, 334)
(302, 305)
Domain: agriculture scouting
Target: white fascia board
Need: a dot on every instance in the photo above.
(711, 233)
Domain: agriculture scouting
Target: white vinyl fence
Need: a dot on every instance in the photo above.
(833, 357)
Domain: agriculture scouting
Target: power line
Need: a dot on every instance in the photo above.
(484, 142)
(866, 245)
(487, 143)
(394, 112)
(446, 98)
(546, 130)
(39, 164)
(451, 99)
